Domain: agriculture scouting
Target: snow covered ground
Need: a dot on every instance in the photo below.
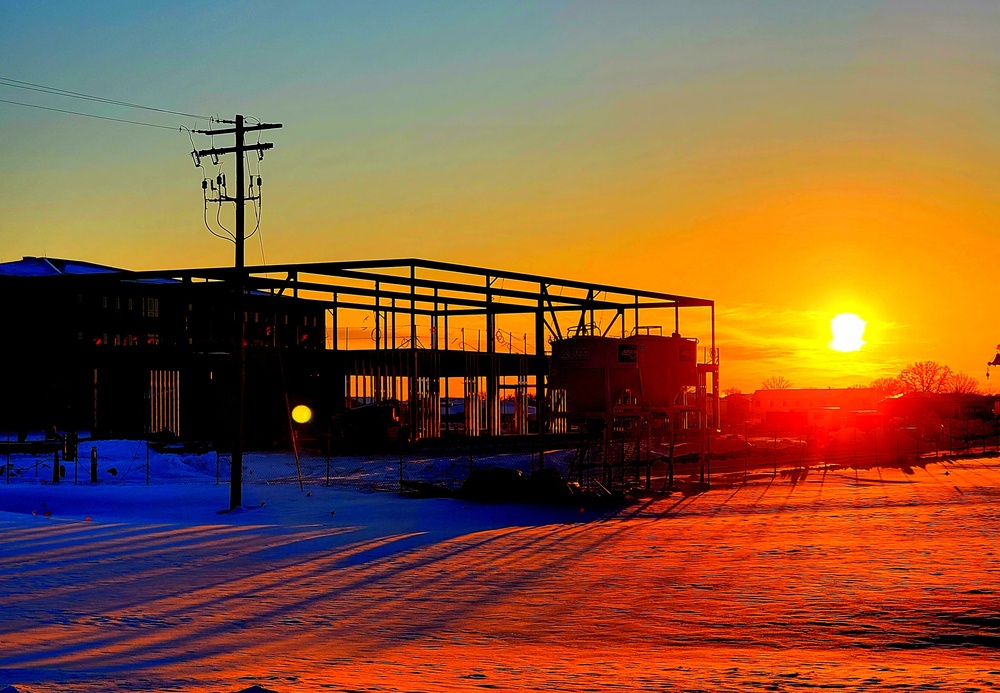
(884, 579)
(135, 462)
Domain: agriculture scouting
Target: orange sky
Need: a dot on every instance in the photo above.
(789, 162)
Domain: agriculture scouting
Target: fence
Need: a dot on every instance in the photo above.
(146, 462)
(633, 466)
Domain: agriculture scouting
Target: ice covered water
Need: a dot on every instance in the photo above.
(820, 579)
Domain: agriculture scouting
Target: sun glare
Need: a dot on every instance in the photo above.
(848, 330)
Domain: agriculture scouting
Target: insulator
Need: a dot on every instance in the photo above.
(218, 179)
(204, 185)
(260, 155)
(223, 180)
(213, 185)
(258, 181)
(196, 159)
(215, 159)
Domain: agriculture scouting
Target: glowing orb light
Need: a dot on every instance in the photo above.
(302, 414)
(848, 330)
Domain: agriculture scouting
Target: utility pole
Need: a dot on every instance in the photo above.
(240, 149)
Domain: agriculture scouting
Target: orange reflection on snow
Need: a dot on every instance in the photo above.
(814, 578)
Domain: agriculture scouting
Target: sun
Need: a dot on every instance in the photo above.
(848, 330)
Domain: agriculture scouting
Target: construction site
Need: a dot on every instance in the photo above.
(384, 355)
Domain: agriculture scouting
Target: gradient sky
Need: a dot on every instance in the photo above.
(790, 160)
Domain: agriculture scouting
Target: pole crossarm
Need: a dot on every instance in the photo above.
(234, 150)
(245, 128)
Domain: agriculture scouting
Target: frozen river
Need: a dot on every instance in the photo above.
(822, 581)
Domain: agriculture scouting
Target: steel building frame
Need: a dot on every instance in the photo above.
(399, 292)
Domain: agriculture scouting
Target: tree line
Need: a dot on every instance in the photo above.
(920, 376)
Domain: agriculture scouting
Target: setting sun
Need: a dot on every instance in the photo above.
(848, 330)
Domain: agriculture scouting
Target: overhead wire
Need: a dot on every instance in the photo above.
(66, 93)
(204, 195)
(258, 205)
(88, 115)
(55, 91)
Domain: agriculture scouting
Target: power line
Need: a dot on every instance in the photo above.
(88, 115)
(19, 84)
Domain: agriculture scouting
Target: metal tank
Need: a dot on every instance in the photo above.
(599, 373)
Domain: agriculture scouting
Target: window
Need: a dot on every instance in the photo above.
(153, 307)
(118, 304)
(104, 301)
(130, 304)
(286, 319)
(79, 335)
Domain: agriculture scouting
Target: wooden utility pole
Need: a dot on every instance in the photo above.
(239, 129)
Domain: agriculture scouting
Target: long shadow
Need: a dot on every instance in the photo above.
(363, 581)
(257, 589)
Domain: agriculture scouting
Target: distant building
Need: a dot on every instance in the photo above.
(808, 407)
(943, 406)
(735, 410)
(92, 349)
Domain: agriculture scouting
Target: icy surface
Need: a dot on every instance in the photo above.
(884, 580)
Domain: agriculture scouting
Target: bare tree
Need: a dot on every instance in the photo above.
(888, 387)
(926, 376)
(732, 391)
(964, 384)
(776, 382)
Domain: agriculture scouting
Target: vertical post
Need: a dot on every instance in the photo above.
(716, 403)
(746, 452)
(236, 474)
(333, 321)
(413, 306)
(329, 444)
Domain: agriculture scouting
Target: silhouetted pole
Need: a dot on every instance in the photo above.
(236, 461)
(239, 130)
(746, 452)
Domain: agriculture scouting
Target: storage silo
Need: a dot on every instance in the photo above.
(599, 373)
